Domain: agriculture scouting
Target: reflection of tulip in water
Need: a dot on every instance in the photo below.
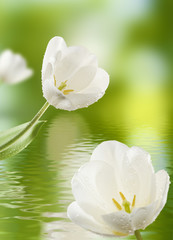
(71, 78)
(13, 68)
(117, 192)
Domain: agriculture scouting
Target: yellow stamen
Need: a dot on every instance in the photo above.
(126, 206)
(117, 204)
(122, 196)
(62, 85)
(67, 91)
(134, 200)
(125, 203)
(54, 80)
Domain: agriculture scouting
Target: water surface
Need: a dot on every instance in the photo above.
(35, 188)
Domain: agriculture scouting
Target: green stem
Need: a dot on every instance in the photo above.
(31, 123)
(138, 235)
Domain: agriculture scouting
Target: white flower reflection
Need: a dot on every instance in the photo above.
(117, 192)
(64, 230)
(71, 78)
(13, 68)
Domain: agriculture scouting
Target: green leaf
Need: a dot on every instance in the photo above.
(23, 137)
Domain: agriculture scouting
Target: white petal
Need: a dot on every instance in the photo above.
(162, 187)
(99, 84)
(78, 216)
(95, 177)
(6, 59)
(13, 68)
(54, 96)
(21, 76)
(114, 154)
(48, 74)
(74, 57)
(139, 177)
(119, 222)
(18, 70)
(55, 47)
(93, 92)
(111, 152)
(142, 217)
(60, 101)
(69, 102)
(82, 78)
(123, 222)
(18, 63)
(81, 100)
(90, 188)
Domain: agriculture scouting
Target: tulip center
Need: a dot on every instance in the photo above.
(62, 87)
(128, 207)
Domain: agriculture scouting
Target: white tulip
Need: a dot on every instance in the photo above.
(13, 68)
(71, 78)
(117, 192)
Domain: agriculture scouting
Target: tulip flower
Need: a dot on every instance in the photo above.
(71, 78)
(13, 68)
(117, 192)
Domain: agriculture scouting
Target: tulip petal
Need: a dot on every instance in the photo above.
(6, 59)
(82, 78)
(119, 222)
(55, 46)
(23, 75)
(89, 187)
(80, 217)
(74, 57)
(69, 102)
(48, 75)
(162, 187)
(13, 67)
(55, 97)
(82, 100)
(111, 152)
(18, 70)
(99, 83)
(140, 178)
(92, 93)
(142, 217)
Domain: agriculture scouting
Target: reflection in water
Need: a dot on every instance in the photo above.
(35, 185)
(64, 230)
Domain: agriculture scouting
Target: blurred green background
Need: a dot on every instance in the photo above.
(133, 40)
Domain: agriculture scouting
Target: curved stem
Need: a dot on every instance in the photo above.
(31, 123)
(138, 235)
